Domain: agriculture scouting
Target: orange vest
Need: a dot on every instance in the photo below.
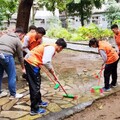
(36, 55)
(112, 55)
(117, 39)
(32, 41)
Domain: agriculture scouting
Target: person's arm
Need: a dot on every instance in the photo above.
(116, 46)
(47, 58)
(25, 44)
(103, 55)
(20, 54)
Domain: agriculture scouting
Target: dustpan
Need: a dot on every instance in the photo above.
(98, 89)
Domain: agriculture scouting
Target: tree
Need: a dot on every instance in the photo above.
(113, 12)
(7, 9)
(1, 11)
(83, 8)
(51, 5)
(117, 0)
(24, 14)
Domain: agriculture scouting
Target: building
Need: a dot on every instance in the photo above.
(42, 17)
(98, 17)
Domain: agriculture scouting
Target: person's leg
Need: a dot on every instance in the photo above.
(24, 74)
(107, 73)
(34, 80)
(114, 73)
(11, 71)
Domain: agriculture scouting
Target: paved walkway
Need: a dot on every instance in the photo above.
(59, 107)
(81, 46)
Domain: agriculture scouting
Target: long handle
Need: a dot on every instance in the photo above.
(48, 75)
(54, 81)
(100, 75)
(62, 87)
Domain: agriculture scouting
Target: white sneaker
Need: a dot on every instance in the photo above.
(17, 96)
(3, 94)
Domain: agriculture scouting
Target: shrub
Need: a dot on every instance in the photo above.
(82, 33)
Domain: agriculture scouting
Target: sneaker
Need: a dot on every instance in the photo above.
(39, 111)
(43, 104)
(17, 96)
(106, 90)
(3, 94)
(113, 86)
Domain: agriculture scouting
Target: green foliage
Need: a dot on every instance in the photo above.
(113, 12)
(83, 8)
(53, 21)
(58, 32)
(82, 33)
(116, 22)
(51, 5)
(7, 8)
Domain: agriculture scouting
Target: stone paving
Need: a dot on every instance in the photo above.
(59, 107)
(18, 109)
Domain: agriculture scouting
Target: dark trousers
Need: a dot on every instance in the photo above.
(34, 80)
(24, 74)
(110, 69)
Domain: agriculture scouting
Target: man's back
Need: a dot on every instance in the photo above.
(9, 43)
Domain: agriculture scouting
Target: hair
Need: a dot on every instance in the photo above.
(41, 30)
(32, 27)
(114, 26)
(19, 30)
(93, 41)
(61, 42)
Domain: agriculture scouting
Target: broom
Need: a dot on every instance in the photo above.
(66, 94)
(98, 87)
(56, 84)
(100, 74)
(59, 84)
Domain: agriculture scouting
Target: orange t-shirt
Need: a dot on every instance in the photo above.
(32, 41)
(112, 55)
(117, 39)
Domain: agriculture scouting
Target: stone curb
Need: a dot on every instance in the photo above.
(83, 51)
(79, 43)
(66, 112)
(75, 109)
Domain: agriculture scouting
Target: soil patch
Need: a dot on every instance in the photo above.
(103, 109)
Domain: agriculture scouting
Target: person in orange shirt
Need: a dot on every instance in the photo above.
(40, 55)
(32, 29)
(110, 58)
(33, 39)
(116, 32)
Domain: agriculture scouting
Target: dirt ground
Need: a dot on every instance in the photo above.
(71, 64)
(104, 109)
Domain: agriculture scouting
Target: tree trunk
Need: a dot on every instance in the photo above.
(82, 14)
(82, 20)
(66, 21)
(8, 22)
(24, 14)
